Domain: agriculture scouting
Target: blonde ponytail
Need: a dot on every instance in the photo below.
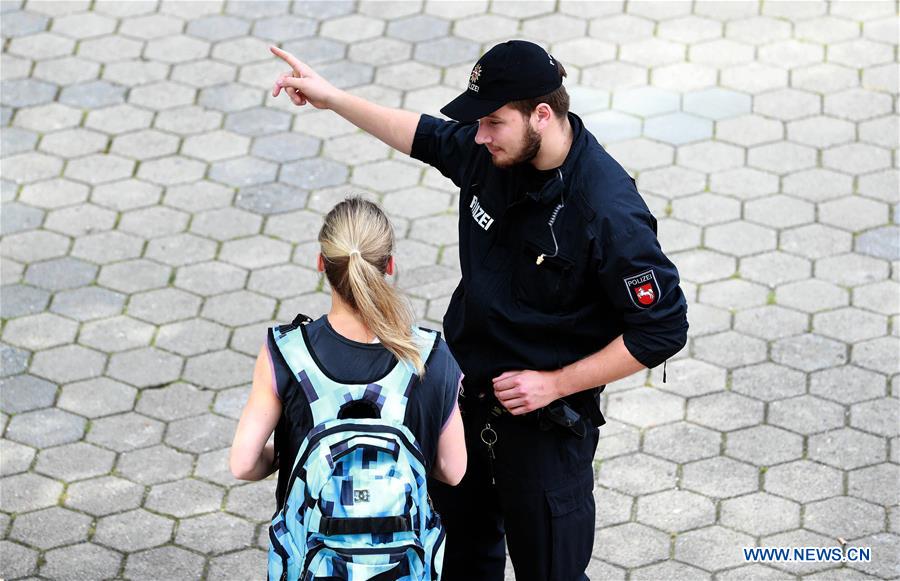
(357, 241)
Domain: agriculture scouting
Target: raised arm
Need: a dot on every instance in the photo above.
(303, 85)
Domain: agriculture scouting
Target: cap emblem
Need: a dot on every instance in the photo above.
(473, 78)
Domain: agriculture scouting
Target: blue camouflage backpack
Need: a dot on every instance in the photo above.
(356, 505)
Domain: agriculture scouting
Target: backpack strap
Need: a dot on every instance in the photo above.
(388, 396)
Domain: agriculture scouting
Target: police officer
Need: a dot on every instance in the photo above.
(564, 288)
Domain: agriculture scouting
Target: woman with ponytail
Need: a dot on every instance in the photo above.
(368, 331)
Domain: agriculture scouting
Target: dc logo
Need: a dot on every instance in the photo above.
(360, 496)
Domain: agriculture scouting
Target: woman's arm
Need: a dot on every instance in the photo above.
(251, 458)
(450, 464)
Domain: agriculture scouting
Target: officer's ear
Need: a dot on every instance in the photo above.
(320, 262)
(389, 270)
(542, 115)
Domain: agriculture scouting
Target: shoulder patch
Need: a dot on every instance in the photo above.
(642, 289)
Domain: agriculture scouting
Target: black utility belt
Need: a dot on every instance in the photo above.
(559, 413)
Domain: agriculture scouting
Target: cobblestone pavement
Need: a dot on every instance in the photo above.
(160, 209)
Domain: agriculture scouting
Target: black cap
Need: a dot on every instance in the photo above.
(511, 71)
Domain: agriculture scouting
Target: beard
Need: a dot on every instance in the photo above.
(531, 145)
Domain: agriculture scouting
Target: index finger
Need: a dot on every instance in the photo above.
(290, 59)
(506, 374)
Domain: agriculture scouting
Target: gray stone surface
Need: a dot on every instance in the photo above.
(141, 282)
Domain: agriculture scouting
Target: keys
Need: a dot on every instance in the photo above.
(489, 437)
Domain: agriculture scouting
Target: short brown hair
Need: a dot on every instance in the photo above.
(558, 100)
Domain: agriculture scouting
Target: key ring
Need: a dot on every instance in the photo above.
(490, 434)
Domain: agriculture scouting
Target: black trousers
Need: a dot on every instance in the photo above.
(536, 491)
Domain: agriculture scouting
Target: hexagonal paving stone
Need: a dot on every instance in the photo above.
(107, 247)
(712, 548)
(200, 434)
(705, 209)
(74, 461)
(717, 103)
(678, 128)
(611, 126)
(67, 363)
(171, 170)
(181, 249)
(720, 477)
(847, 384)
(850, 325)
(51, 527)
(760, 514)
(26, 492)
(853, 213)
(116, 334)
(225, 223)
(214, 533)
(676, 510)
(775, 268)
(164, 305)
(764, 445)
(145, 367)
(819, 481)
(192, 337)
(632, 544)
(174, 402)
(878, 355)
(637, 474)
(847, 448)
(154, 465)
(39, 331)
(645, 407)
(80, 220)
(749, 130)
(734, 294)
(682, 442)
(210, 278)
(133, 530)
(134, 276)
(84, 561)
(20, 300)
(238, 308)
(880, 243)
(184, 498)
(34, 246)
(153, 222)
(15, 458)
(821, 131)
(124, 432)
(768, 382)
(252, 501)
(770, 322)
(811, 296)
(844, 517)
(164, 562)
(60, 273)
(876, 484)
(878, 416)
(26, 392)
(97, 397)
(806, 414)
(730, 349)
(14, 360)
(809, 352)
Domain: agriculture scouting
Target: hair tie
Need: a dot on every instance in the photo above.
(354, 251)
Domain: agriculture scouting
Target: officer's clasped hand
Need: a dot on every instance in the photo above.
(522, 392)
